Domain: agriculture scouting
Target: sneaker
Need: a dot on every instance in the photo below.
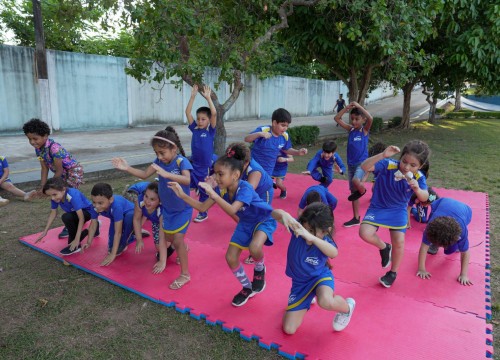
(388, 279)
(341, 320)
(283, 194)
(433, 249)
(259, 282)
(66, 251)
(242, 297)
(145, 233)
(63, 234)
(385, 254)
(249, 260)
(355, 195)
(201, 217)
(352, 222)
(275, 186)
(3, 201)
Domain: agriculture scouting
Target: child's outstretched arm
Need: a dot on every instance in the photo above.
(184, 178)
(50, 220)
(189, 107)
(369, 164)
(92, 229)
(137, 222)
(116, 243)
(340, 164)
(121, 164)
(200, 206)
(286, 219)
(463, 278)
(422, 256)
(294, 152)
(207, 93)
(44, 174)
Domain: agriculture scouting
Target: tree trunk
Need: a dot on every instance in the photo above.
(220, 132)
(458, 99)
(432, 110)
(407, 89)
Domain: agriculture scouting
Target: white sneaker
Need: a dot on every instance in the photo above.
(3, 201)
(341, 320)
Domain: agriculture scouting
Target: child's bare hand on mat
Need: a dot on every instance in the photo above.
(42, 235)
(108, 260)
(423, 274)
(464, 280)
(74, 244)
(139, 245)
(159, 267)
(86, 246)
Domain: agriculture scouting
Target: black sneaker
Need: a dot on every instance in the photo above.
(242, 297)
(275, 186)
(388, 279)
(63, 234)
(259, 282)
(352, 222)
(433, 249)
(170, 251)
(385, 254)
(355, 195)
(66, 251)
(283, 194)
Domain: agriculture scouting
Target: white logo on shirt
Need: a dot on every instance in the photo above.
(312, 260)
(203, 135)
(357, 138)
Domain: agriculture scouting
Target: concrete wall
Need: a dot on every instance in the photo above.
(92, 91)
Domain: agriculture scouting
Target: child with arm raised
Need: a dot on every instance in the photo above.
(176, 214)
(311, 245)
(396, 181)
(255, 227)
(202, 142)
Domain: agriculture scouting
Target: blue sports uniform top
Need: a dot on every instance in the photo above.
(326, 197)
(3, 165)
(389, 193)
(459, 211)
(266, 151)
(357, 146)
(119, 207)
(74, 200)
(202, 145)
(169, 201)
(305, 262)
(326, 166)
(254, 209)
(265, 183)
(139, 187)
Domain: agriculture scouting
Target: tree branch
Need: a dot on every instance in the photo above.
(237, 87)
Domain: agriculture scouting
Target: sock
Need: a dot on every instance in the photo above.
(242, 277)
(259, 265)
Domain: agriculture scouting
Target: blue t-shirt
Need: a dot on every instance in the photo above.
(326, 197)
(266, 151)
(74, 200)
(305, 261)
(254, 209)
(169, 201)
(265, 183)
(139, 187)
(202, 145)
(281, 167)
(357, 146)
(459, 211)
(3, 165)
(154, 216)
(389, 193)
(119, 207)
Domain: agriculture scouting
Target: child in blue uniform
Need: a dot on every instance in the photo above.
(280, 170)
(269, 140)
(311, 245)
(390, 197)
(202, 142)
(447, 228)
(7, 185)
(147, 206)
(357, 152)
(421, 210)
(78, 210)
(317, 193)
(325, 159)
(120, 212)
(255, 226)
(176, 213)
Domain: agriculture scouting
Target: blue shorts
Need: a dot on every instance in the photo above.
(280, 173)
(354, 171)
(394, 219)
(177, 222)
(7, 180)
(302, 293)
(243, 234)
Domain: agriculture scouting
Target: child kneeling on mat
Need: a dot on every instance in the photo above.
(311, 245)
(447, 228)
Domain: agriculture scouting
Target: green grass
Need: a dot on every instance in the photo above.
(87, 318)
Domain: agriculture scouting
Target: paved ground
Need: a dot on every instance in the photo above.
(95, 149)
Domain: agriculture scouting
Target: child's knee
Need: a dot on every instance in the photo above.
(289, 328)
(232, 261)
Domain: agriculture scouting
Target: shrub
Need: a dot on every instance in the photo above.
(487, 114)
(377, 124)
(304, 134)
(395, 121)
(459, 114)
(440, 111)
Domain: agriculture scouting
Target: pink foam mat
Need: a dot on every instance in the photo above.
(414, 319)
